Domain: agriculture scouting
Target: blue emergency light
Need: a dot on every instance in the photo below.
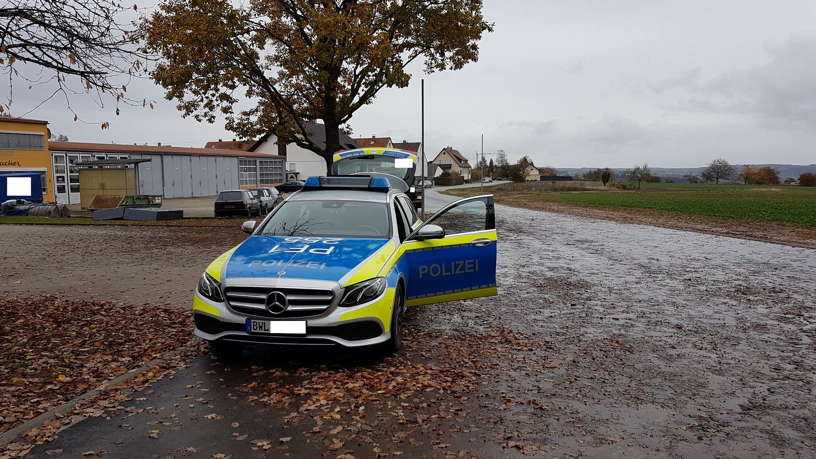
(356, 182)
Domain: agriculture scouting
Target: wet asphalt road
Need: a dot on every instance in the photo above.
(607, 340)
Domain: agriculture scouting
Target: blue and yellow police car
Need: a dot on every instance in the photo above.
(338, 262)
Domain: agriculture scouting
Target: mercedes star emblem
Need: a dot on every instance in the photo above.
(276, 302)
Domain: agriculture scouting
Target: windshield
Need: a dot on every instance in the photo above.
(329, 219)
(398, 167)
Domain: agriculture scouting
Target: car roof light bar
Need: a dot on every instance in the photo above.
(356, 182)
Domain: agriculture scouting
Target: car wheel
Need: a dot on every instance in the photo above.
(394, 344)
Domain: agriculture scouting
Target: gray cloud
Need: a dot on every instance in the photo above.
(615, 130)
(779, 93)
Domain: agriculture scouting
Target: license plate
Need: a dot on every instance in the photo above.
(290, 327)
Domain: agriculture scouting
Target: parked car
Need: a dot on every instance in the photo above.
(268, 197)
(290, 187)
(427, 183)
(338, 263)
(275, 195)
(237, 202)
(487, 179)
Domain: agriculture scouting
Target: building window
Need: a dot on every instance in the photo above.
(248, 172)
(272, 172)
(21, 141)
(291, 167)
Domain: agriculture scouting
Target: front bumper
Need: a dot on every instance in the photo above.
(363, 325)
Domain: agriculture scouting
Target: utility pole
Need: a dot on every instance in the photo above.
(481, 180)
(422, 156)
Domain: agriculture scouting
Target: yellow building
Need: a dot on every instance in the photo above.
(24, 148)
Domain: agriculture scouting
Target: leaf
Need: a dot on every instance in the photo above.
(72, 58)
(285, 439)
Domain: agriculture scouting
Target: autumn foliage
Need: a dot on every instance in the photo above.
(302, 60)
(807, 179)
(762, 176)
(55, 350)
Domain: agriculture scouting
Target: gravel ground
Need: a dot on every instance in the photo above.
(630, 340)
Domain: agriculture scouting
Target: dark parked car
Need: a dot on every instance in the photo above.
(268, 197)
(237, 202)
(290, 187)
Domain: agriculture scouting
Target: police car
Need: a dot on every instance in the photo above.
(338, 262)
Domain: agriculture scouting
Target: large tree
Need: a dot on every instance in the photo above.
(302, 60)
(720, 169)
(69, 47)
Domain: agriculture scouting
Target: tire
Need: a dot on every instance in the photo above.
(394, 343)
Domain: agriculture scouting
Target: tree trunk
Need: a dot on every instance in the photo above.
(332, 142)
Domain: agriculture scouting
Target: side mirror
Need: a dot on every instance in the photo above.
(249, 226)
(430, 232)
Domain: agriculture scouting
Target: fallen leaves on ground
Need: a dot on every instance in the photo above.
(55, 350)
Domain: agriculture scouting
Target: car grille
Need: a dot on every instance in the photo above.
(302, 302)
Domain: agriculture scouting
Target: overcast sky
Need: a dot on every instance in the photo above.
(592, 83)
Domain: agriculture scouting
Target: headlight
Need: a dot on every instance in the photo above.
(364, 291)
(210, 288)
(412, 190)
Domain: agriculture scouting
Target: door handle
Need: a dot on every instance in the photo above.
(481, 242)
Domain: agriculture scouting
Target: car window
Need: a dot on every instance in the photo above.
(230, 196)
(408, 209)
(403, 227)
(467, 217)
(374, 163)
(329, 219)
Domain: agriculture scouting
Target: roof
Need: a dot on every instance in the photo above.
(374, 142)
(231, 145)
(317, 134)
(410, 146)
(10, 119)
(80, 147)
(461, 161)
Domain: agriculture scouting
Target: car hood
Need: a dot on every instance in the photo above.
(317, 258)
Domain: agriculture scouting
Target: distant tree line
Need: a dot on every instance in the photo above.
(718, 170)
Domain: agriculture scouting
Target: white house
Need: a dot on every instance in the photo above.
(301, 163)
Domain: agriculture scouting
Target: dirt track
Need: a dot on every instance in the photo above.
(630, 340)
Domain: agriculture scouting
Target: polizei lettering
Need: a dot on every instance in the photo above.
(449, 269)
(284, 263)
(307, 245)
